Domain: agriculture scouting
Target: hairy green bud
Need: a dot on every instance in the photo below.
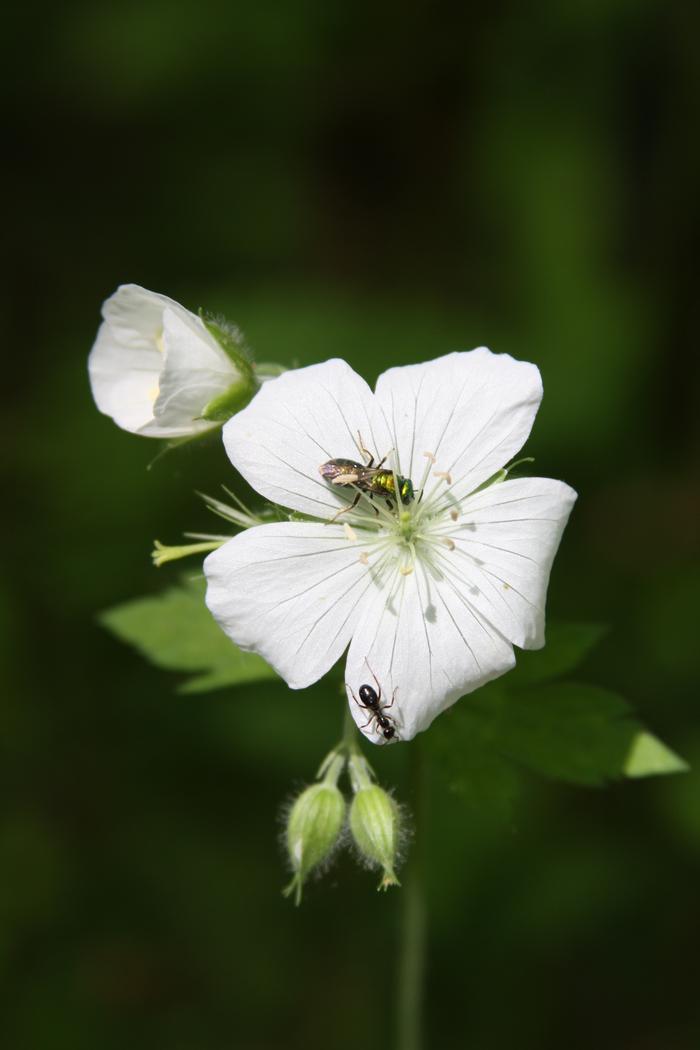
(241, 391)
(375, 823)
(313, 830)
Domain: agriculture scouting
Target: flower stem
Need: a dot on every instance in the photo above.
(413, 923)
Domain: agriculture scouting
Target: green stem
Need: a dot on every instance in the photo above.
(413, 923)
(350, 733)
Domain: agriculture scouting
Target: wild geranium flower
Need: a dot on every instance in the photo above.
(430, 593)
(160, 371)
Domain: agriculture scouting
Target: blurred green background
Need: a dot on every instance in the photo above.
(384, 182)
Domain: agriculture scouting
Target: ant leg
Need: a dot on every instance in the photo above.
(365, 707)
(389, 504)
(393, 697)
(379, 688)
(350, 506)
(365, 451)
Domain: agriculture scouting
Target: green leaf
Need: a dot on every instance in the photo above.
(572, 732)
(568, 731)
(648, 756)
(578, 733)
(462, 744)
(567, 646)
(176, 631)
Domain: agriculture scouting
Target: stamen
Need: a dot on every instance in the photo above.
(364, 558)
(450, 544)
(454, 514)
(350, 532)
(406, 570)
(431, 459)
(443, 474)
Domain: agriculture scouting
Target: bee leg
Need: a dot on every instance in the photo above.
(389, 504)
(350, 506)
(365, 451)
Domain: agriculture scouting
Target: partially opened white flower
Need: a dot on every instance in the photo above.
(157, 369)
(430, 595)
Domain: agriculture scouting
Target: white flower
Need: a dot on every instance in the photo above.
(430, 596)
(155, 368)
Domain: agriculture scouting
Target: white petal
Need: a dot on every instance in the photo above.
(195, 371)
(505, 541)
(427, 647)
(472, 410)
(135, 315)
(291, 592)
(299, 421)
(124, 379)
(126, 361)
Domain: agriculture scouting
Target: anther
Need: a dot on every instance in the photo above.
(443, 474)
(364, 558)
(349, 532)
(450, 544)
(430, 456)
(454, 514)
(406, 570)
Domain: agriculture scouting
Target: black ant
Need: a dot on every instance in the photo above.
(371, 700)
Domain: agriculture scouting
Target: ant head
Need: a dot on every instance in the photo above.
(368, 696)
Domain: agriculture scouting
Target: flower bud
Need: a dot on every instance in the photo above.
(160, 371)
(376, 825)
(313, 830)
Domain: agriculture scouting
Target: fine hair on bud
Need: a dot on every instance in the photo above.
(229, 331)
(313, 832)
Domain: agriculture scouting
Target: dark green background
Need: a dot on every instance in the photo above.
(383, 182)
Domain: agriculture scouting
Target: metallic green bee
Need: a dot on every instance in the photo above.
(367, 478)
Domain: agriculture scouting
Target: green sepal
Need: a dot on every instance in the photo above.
(231, 340)
(238, 395)
(313, 831)
(375, 827)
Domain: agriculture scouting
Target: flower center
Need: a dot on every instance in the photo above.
(401, 533)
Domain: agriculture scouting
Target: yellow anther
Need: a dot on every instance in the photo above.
(406, 570)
